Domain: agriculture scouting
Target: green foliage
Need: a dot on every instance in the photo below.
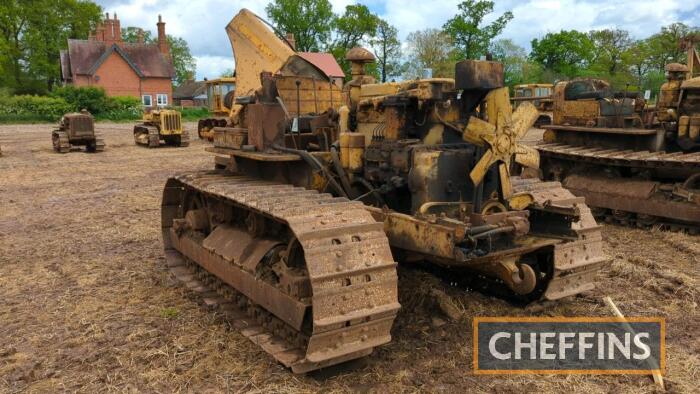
(311, 21)
(387, 48)
(32, 33)
(26, 108)
(355, 27)
(470, 38)
(94, 99)
(429, 48)
(193, 113)
(567, 52)
(608, 47)
(68, 99)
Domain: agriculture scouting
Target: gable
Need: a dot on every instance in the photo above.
(114, 69)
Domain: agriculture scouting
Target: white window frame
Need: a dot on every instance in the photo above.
(150, 100)
(162, 103)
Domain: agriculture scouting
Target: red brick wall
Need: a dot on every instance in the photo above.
(155, 86)
(119, 79)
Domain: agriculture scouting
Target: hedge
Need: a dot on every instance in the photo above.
(68, 99)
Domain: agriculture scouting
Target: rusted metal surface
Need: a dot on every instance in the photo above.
(347, 260)
(161, 125)
(77, 129)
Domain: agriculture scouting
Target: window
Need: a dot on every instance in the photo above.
(162, 99)
(146, 100)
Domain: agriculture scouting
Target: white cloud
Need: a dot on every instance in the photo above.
(202, 22)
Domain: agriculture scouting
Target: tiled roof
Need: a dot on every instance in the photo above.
(85, 56)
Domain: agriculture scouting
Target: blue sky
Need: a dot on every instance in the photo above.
(202, 22)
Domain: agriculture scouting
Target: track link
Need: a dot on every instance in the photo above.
(628, 201)
(575, 261)
(61, 143)
(351, 272)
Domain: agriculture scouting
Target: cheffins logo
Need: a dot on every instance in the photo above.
(582, 345)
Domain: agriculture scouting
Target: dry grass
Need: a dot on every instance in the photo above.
(87, 306)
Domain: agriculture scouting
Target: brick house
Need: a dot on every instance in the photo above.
(121, 68)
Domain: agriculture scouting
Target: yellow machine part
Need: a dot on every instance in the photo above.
(256, 48)
(170, 121)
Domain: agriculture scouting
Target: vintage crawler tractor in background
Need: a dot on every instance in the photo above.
(300, 233)
(220, 93)
(634, 165)
(540, 95)
(77, 129)
(161, 125)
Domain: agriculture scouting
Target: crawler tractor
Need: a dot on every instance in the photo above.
(161, 126)
(220, 94)
(299, 236)
(540, 95)
(634, 165)
(77, 129)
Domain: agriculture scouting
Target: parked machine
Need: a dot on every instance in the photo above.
(301, 232)
(161, 126)
(77, 129)
(220, 93)
(540, 95)
(636, 166)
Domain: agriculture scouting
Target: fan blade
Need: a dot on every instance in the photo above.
(524, 118)
(498, 100)
(527, 156)
(481, 168)
(478, 131)
(506, 188)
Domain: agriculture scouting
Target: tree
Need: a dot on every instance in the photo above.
(311, 21)
(355, 27)
(33, 32)
(387, 48)
(471, 39)
(430, 48)
(184, 64)
(608, 47)
(664, 46)
(566, 53)
(513, 57)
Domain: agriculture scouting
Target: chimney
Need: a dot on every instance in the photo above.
(117, 29)
(100, 32)
(111, 31)
(139, 36)
(162, 40)
(292, 42)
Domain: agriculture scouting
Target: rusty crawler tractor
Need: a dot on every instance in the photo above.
(294, 238)
(635, 166)
(77, 129)
(220, 94)
(161, 126)
(540, 95)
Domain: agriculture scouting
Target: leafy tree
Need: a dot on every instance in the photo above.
(566, 53)
(183, 62)
(32, 34)
(609, 45)
(471, 39)
(664, 46)
(311, 21)
(355, 27)
(387, 47)
(430, 48)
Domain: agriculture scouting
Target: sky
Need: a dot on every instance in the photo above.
(201, 22)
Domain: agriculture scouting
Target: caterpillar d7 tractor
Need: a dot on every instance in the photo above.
(635, 165)
(161, 126)
(220, 93)
(77, 129)
(299, 237)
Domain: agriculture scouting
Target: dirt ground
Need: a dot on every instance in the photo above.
(86, 304)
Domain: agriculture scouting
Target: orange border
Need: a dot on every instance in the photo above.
(548, 319)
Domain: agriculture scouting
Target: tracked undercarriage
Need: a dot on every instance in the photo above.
(301, 227)
(631, 187)
(161, 126)
(77, 129)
